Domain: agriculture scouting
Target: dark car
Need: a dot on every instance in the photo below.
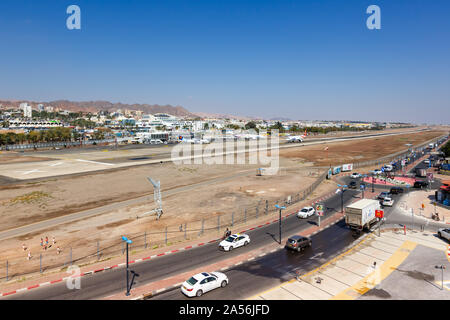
(420, 184)
(352, 185)
(298, 243)
(396, 190)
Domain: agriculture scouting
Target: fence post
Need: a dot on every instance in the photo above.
(98, 250)
(257, 211)
(40, 262)
(203, 225)
(166, 237)
(218, 223)
(245, 215)
(185, 227)
(145, 239)
(267, 207)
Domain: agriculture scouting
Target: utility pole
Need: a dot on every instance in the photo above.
(128, 241)
(342, 190)
(279, 219)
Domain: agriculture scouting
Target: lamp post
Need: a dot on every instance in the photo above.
(363, 186)
(279, 219)
(442, 272)
(128, 241)
(342, 190)
(373, 177)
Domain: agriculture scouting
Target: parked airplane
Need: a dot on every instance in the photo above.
(297, 138)
(250, 136)
(195, 141)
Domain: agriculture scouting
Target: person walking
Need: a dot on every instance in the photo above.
(58, 250)
(53, 240)
(42, 242)
(24, 247)
(29, 255)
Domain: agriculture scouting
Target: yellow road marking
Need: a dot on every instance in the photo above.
(313, 271)
(374, 278)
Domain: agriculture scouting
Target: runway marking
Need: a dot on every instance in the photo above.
(56, 164)
(30, 171)
(95, 162)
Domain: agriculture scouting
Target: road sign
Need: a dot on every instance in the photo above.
(379, 213)
(319, 210)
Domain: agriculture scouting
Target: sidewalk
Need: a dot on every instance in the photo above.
(353, 273)
(414, 201)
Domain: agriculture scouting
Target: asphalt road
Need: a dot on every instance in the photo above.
(113, 281)
(271, 270)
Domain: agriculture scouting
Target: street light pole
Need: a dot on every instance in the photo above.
(128, 275)
(128, 241)
(373, 189)
(342, 196)
(279, 219)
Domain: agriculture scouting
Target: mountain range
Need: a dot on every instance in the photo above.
(96, 106)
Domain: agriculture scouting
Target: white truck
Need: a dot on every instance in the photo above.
(361, 214)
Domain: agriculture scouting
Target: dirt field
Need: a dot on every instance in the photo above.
(356, 151)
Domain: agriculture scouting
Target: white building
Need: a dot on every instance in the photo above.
(27, 111)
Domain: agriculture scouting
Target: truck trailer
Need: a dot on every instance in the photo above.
(361, 214)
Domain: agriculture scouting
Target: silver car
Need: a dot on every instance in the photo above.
(444, 233)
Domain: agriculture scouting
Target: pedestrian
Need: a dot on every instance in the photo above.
(58, 250)
(29, 255)
(46, 240)
(42, 242)
(53, 240)
(24, 247)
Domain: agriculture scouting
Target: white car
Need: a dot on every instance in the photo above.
(234, 241)
(387, 202)
(444, 233)
(306, 212)
(426, 161)
(388, 168)
(377, 172)
(355, 175)
(203, 282)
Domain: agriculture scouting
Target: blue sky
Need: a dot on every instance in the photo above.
(306, 59)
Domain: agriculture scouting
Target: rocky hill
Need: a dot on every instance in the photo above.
(95, 106)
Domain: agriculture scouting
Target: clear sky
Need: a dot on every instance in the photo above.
(307, 59)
